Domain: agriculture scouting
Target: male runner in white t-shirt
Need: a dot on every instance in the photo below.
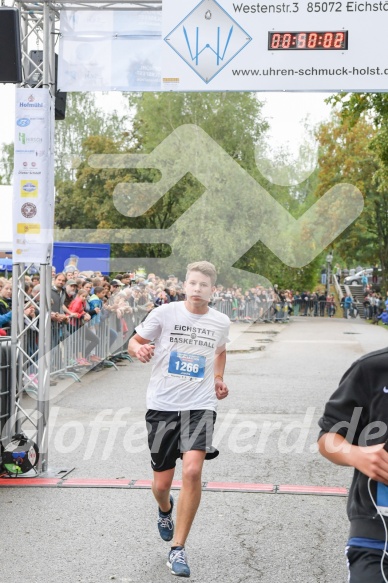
(186, 381)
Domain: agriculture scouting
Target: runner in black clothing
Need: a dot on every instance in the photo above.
(353, 432)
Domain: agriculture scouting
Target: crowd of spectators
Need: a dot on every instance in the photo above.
(375, 306)
(79, 298)
(93, 315)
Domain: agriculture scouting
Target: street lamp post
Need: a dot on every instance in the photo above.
(329, 259)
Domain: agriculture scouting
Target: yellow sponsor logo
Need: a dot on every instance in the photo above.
(30, 228)
(29, 188)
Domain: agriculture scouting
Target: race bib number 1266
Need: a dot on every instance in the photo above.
(189, 366)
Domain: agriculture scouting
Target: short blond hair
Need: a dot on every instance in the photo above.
(203, 267)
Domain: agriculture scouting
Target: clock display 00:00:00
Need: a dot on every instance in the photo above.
(332, 40)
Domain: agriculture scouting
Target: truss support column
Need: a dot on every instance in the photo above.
(17, 347)
(43, 402)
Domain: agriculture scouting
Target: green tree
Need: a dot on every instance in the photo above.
(233, 119)
(82, 120)
(6, 163)
(235, 122)
(349, 153)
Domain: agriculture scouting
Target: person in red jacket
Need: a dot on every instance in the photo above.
(79, 315)
(77, 307)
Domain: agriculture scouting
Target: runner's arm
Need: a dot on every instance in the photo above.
(220, 361)
(370, 460)
(140, 348)
(219, 367)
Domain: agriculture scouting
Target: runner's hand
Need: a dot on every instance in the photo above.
(373, 462)
(145, 352)
(221, 389)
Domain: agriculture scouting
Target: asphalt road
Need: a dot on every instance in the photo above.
(266, 431)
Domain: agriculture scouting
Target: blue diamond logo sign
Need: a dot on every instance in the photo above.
(207, 39)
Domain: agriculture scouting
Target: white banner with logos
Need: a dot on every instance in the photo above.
(227, 45)
(33, 184)
(102, 50)
(302, 45)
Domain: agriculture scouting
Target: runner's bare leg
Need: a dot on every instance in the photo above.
(190, 494)
(161, 486)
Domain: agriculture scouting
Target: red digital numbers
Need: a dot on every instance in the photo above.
(328, 40)
(301, 40)
(313, 40)
(275, 43)
(339, 40)
(286, 40)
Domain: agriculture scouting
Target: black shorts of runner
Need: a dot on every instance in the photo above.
(365, 565)
(172, 433)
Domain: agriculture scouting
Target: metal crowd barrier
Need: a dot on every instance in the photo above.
(248, 310)
(5, 383)
(104, 342)
(281, 312)
(266, 311)
(251, 310)
(225, 307)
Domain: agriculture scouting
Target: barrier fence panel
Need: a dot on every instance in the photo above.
(245, 309)
(225, 307)
(281, 312)
(77, 345)
(5, 384)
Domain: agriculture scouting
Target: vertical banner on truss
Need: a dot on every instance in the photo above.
(33, 200)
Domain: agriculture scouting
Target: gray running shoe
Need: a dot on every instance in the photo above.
(166, 523)
(177, 562)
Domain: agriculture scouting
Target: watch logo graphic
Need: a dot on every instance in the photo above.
(207, 39)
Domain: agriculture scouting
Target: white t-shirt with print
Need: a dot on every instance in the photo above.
(182, 375)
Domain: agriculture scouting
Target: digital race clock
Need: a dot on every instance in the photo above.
(329, 40)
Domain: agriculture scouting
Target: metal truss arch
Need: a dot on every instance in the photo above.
(29, 401)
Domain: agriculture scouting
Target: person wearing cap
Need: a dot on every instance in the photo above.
(188, 343)
(70, 293)
(115, 286)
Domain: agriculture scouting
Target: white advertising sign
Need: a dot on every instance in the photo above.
(228, 45)
(274, 45)
(33, 186)
(110, 50)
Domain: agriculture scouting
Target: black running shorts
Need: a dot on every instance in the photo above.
(172, 433)
(364, 565)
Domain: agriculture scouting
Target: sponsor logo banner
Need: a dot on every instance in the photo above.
(33, 200)
(29, 188)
